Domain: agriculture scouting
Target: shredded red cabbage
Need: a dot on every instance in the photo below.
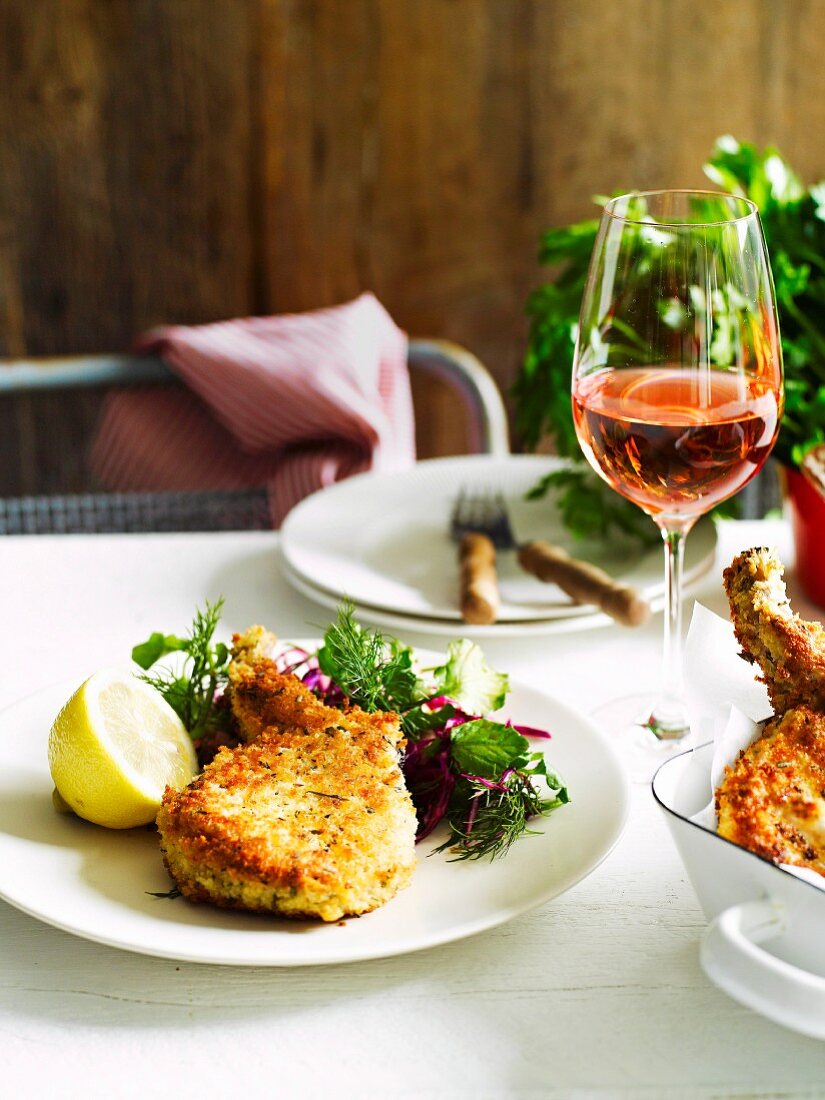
(430, 780)
(530, 731)
(499, 784)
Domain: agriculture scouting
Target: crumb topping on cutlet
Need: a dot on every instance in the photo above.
(772, 799)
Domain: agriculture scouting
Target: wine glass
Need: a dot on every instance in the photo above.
(677, 377)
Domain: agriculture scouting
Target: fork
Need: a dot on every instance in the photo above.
(480, 523)
(474, 525)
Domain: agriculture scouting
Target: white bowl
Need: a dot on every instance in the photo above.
(764, 944)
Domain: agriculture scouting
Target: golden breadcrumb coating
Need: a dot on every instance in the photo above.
(310, 819)
(790, 652)
(772, 799)
(262, 697)
(255, 644)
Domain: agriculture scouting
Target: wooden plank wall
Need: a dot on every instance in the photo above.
(186, 160)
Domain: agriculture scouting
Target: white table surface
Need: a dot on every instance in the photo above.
(598, 993)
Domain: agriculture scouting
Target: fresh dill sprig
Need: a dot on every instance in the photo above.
(499, 813)
(375, 673)
(192, 691)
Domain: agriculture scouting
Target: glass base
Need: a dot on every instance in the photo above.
(667, 721)
(644, 731)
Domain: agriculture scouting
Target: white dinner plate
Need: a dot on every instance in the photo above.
(382, 541)
(98, 883)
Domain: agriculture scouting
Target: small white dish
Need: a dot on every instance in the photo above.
(763, 945)
(382, 541)
(97, 883)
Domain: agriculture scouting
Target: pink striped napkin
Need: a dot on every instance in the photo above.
(294, 402)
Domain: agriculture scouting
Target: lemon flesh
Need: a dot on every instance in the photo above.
(113, 749)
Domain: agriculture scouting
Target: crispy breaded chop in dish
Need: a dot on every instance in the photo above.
(790, 651)
(311, 818)
(772, 799)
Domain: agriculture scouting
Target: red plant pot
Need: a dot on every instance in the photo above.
(808, 519)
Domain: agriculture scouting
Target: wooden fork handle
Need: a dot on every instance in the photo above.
(585, 583)
(479, 584)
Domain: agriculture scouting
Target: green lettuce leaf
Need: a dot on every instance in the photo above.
(468, 680)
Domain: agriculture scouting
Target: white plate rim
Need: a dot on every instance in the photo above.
(50, 698)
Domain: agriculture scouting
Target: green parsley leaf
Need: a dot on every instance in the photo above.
(156, 646)
(191, 691)
(537, 765)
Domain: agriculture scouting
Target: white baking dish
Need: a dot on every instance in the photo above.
(765, 941)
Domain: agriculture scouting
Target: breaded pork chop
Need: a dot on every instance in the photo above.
(790, 651)
(772, 799)
(304, 823)
(311, 818)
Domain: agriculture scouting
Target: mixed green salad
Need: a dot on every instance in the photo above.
(464, 769)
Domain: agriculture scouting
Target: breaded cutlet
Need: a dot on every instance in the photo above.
(772, 799)
(789, 651)
(299, 823)
(311, 818)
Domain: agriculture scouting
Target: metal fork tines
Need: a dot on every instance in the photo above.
(483, 512)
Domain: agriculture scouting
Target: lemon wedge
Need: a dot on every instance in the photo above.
(113, 749)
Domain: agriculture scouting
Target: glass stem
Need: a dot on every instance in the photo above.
(669, 720)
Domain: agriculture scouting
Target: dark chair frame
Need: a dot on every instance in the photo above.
(206, 511)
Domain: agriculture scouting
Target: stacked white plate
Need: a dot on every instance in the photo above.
(383, 542)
